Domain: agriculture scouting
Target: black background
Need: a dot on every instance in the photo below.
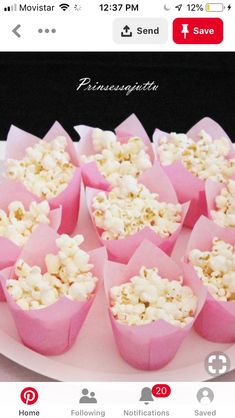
(39, 88)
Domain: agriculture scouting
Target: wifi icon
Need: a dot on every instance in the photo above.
(64, 6)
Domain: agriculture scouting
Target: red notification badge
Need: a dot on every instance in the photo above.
(161, 390)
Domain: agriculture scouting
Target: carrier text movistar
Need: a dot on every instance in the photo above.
(35, 8)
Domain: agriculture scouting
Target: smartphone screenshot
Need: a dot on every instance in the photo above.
(117, 208)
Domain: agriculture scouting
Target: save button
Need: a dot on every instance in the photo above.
(198, 31)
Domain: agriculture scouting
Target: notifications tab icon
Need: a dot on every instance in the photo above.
(198, 31)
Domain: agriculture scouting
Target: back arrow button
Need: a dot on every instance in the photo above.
(15, 31)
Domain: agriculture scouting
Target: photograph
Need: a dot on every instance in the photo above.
(117, 216)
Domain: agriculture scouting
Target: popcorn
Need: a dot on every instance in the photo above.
(205, 158)
(224, 215)
(115, 159)
(216, 269)
(130, 207)
(33, 289)
(18, 224)
(149, 297)
(45, 170)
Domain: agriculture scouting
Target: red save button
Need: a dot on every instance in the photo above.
(198, 31)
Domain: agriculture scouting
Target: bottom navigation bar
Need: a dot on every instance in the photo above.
(116, 399)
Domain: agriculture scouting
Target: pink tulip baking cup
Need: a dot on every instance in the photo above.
(9, 253)
(121, 250)
(69, 199)
(91, 174)
(189, 187)
(54, 329)
(11, 191)
(216, 321)
(212, 190)
(150, 346)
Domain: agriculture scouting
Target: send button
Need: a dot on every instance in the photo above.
(140, 31)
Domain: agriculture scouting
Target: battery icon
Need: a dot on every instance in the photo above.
(214, 7)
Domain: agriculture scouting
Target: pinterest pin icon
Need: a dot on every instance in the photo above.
(185, 30)
(29, 396)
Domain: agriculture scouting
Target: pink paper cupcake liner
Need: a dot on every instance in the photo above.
(9, 253)
(216, 321)
(189, 187)
(150, 346)
(122, 249)
(69, 200)
(54, 329)
(91, 174)
(212, 190)
(9, 192)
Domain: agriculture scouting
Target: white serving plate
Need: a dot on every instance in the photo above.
(94, 356)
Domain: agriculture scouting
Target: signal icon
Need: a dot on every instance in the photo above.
(12, 8)
(64, 6)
